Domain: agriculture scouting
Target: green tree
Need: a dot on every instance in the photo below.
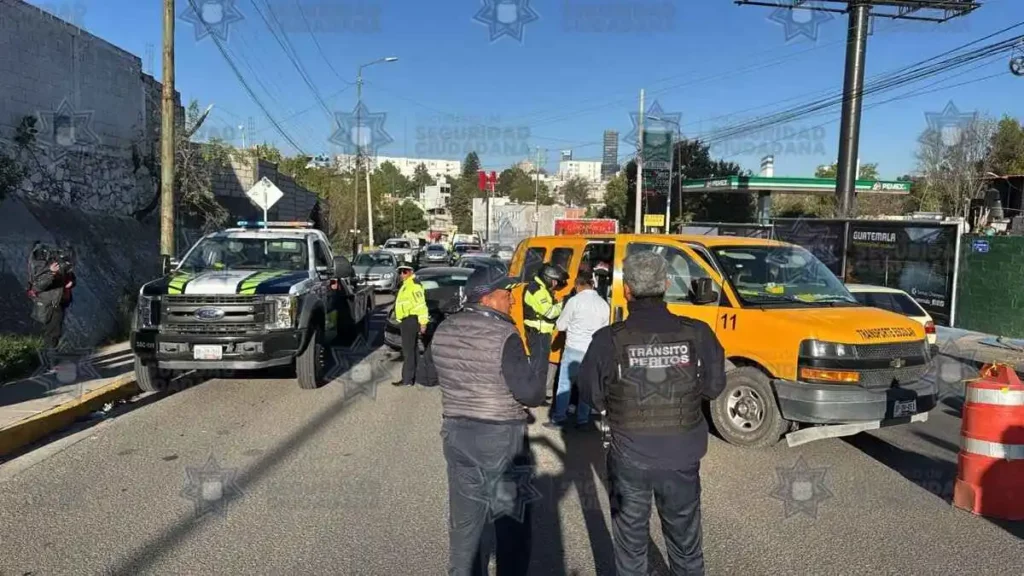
(420, 179)
(463, 191)
(615, 198)
(576, 192)
(503, 187)
(1006, 153)
(388, 180)
(397, 218)
(267, 152)
(11, 174)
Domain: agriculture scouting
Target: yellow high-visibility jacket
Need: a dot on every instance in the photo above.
(539, 307)
(411, 301)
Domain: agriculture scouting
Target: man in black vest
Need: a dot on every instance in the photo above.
(486, 380)
(650, 374)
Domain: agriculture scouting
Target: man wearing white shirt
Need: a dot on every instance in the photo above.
(584, 314)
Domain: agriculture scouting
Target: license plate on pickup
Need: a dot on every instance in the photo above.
(207, 352)
(904, 408)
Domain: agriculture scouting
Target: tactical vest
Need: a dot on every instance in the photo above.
(656, 390)
(467, 350)
(531, 318)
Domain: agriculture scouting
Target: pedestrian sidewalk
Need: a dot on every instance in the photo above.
(64, 385)
(979, 348)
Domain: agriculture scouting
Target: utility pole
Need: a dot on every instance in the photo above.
(536, 196)
(639, 167)
(369, 211)
(359, 156)
(167, 137)
(860, 13)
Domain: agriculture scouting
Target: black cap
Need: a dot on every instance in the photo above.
(485, 280)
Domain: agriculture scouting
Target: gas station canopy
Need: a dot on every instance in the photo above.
(819, 186)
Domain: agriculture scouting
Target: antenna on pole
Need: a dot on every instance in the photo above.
(860, 13)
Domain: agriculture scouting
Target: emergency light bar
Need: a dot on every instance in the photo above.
(262, 224)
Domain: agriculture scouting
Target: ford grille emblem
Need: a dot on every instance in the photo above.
(209, 314)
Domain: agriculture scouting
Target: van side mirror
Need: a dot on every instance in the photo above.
(703, 291)
(343, 268)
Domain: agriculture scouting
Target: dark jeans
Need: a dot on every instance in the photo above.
(677, 494)
(52, 330)
(410, 353)
(490, 476)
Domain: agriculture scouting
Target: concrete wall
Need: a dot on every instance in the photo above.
(97, 115)
(989, 288)
(231, 185)
(511, 223)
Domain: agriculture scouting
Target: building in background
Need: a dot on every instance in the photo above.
(610, 156)
(586, 169)
(407, 166)
(566, 155)
(512, 223)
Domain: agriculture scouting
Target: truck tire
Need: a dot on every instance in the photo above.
(746, 414)
(309, 365)
(149, 378)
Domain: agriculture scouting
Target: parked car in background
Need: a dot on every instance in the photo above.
(473, 261)
(458, 250)
(505, 253)
(378, 269)
(442, 288)
(895, 300)
(403, 248)
(433, 255)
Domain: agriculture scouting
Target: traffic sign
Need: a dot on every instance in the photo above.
(264, 195)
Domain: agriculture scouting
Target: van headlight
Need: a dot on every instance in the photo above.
(144, 310)
(819, 349)
(284, 312)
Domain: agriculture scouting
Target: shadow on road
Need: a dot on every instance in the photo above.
(45, 383)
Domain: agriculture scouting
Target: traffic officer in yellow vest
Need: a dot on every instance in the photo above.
(411, 313)
(540, 309)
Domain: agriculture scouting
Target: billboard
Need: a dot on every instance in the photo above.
(610, 157)
(583, 226)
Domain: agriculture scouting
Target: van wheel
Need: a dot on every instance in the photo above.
(746, 414)
(309, 366)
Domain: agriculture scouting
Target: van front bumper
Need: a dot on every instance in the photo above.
(846, 403)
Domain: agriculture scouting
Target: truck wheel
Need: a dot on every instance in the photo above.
(745, 414)
(149, 378)
(309, 365)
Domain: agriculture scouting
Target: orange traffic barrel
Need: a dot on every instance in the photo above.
(990, 476)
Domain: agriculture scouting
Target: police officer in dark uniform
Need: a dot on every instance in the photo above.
(650, 375)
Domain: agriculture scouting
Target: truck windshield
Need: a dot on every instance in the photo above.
(223, 253)
(778, 274)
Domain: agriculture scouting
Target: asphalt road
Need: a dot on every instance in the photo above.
(349, 479)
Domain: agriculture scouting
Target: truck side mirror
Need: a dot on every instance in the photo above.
(703, 291)
(343, 268)
(167, 264)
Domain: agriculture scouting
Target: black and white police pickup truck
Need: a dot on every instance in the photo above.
(248, 298)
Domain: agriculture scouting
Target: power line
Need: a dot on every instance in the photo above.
(245, 84)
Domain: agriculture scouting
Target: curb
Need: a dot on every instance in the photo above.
(33, 428)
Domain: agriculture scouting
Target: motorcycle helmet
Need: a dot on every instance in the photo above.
(554, 276)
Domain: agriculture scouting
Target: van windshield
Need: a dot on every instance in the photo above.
(781, 274)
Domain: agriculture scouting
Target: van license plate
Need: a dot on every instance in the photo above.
(904, 408)
(207, 352)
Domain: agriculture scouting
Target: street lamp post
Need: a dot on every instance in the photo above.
(359, 150)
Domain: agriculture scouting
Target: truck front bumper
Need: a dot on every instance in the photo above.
(247, 352)
(844, 403)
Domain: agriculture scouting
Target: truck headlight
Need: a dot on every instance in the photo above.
(819, 349)
(144, 310)
(283, 315)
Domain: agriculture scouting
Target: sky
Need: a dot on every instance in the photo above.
(529, 78)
